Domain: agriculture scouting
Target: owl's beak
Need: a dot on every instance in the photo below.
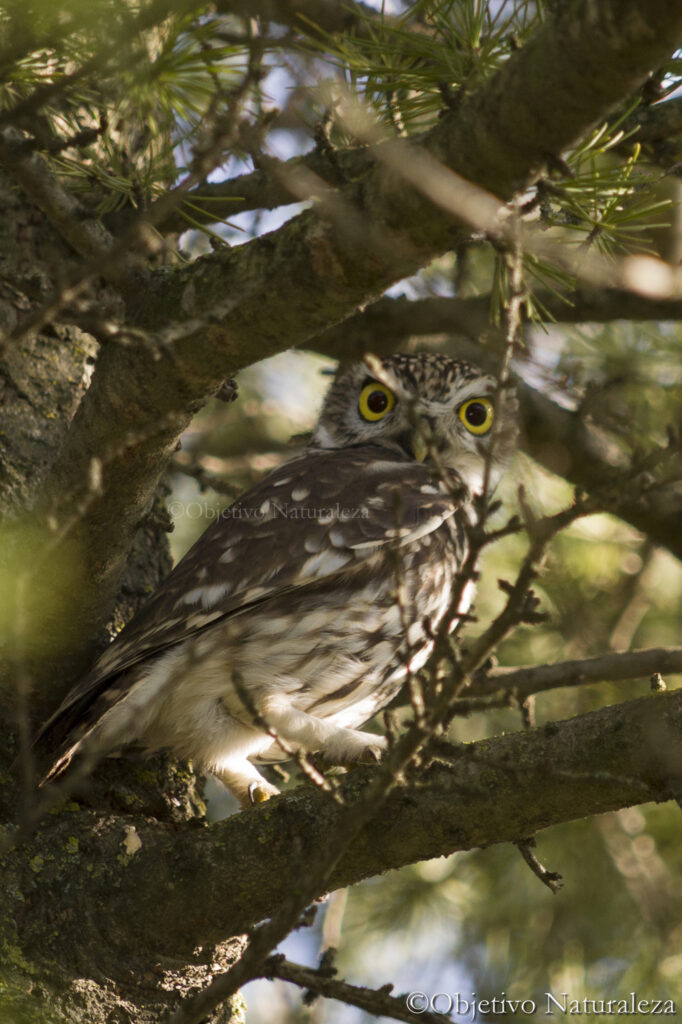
(418, 444)
(420, 437)
(416, 441)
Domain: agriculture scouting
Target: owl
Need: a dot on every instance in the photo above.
(281, 629)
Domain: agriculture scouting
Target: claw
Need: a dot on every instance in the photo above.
(258, 794)
(372, 755)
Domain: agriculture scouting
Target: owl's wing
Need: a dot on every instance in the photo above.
(311, 518)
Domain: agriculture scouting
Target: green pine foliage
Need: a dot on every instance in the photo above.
(130, 91)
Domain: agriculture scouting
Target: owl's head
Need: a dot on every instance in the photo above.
(436, 405)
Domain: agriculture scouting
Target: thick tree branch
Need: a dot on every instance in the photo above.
(231, 308)
(401, 318)
(263, 189)
(180, 889)
(658, 127)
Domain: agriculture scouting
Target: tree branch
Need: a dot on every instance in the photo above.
(378, 1002)
(402, 318)
(262, 189)
(563, 442)
(528, 679)
(197, 887)
(82, 231)
(658, 127)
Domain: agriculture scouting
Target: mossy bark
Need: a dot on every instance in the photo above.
(56, 973)
(113, 914)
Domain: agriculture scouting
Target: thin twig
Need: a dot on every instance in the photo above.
(530, 679)
(552, 879)
(378, 1002)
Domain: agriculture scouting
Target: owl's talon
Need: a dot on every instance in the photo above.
(258, 794)
(373, 755)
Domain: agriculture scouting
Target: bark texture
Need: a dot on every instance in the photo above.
(141, 905)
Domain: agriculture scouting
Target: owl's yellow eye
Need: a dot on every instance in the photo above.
(375, 401)
(477, 415)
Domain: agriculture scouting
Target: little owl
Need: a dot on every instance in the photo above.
(281, 629)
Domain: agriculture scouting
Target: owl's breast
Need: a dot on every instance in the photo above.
(384, 629)
(339, 648)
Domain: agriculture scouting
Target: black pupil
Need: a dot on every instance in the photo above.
(377, 401)
(476, 414)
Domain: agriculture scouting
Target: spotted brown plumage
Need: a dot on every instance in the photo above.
(283, 618)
